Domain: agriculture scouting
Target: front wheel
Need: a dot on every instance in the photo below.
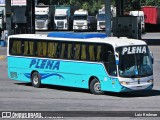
(95, 87)
(36, 80)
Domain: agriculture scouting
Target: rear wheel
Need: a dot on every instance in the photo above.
(36, 80)
(95, 87)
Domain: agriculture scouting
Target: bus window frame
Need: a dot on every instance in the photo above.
(60, 42)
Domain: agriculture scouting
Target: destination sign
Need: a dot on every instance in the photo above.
(134, 49)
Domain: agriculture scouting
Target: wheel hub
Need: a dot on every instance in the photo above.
(97, 87)
(35, 80)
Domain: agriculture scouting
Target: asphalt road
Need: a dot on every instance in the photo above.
(18, 96)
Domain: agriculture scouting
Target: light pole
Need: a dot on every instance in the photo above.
(108, 17)
(30, 14)
(8, 17)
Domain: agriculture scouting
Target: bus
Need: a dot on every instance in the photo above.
(91, 61)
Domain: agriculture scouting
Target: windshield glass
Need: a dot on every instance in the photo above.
(101, 16)
(60, 17)
(134, 61)
(80, 17)
(41, 17)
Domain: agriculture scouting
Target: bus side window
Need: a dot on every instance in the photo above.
(63, 50)
(83, 52)
(41, 48)
(17, 47)
(26, 47)
(70, 51)
(58, 49)
(109, 59)
(77, 51)
(99, 50)
(91, 53)
(52, 49)
(31, 48)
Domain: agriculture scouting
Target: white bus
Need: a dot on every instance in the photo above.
(91, 61)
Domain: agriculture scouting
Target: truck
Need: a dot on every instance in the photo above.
(43, 17)
(152, 17)
(62, 17)
(139, 14)
(127, 26)
(101, 20)
(80, 20)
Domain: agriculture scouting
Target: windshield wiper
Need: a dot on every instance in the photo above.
(146, 73)
(132, 73)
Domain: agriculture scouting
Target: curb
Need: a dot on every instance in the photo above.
(2, 57)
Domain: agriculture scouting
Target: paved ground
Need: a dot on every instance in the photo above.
(18, 96)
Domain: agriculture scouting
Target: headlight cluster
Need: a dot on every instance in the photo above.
(124, 83)
(150, 81)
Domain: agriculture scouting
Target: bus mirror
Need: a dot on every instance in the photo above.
(152, 60)
(152, 57)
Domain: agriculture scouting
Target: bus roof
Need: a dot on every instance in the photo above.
(76, 35)
(114, 41)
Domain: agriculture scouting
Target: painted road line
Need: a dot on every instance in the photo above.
(2, 57)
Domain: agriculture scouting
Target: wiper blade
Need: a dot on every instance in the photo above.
(134, 73)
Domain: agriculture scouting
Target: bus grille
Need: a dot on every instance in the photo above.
(80, 23)
(60, 24)
(101, 23)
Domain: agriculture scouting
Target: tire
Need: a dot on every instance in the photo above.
(95, 87)
(36, 80)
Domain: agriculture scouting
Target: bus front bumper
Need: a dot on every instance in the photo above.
(137, 87)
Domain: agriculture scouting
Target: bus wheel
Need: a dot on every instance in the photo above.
(95, 87)
(36, 79)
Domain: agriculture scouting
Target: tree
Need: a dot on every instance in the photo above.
(152, 3)
(93, 5)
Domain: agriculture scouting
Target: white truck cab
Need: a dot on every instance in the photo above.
(80, 21)
(141, 15)
(101, 20)
(42, 18)
(61, 19)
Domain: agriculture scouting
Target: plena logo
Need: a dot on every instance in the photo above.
(134, 49)
(44, 64)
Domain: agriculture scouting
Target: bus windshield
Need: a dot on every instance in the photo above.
(134, 61)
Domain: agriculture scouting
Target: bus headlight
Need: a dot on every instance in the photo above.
(124, 83)
(150, 81)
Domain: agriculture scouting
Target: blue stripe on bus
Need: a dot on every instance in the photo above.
(76, 35)
(44, 75)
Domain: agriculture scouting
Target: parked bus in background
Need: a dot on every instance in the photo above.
(91, 61)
